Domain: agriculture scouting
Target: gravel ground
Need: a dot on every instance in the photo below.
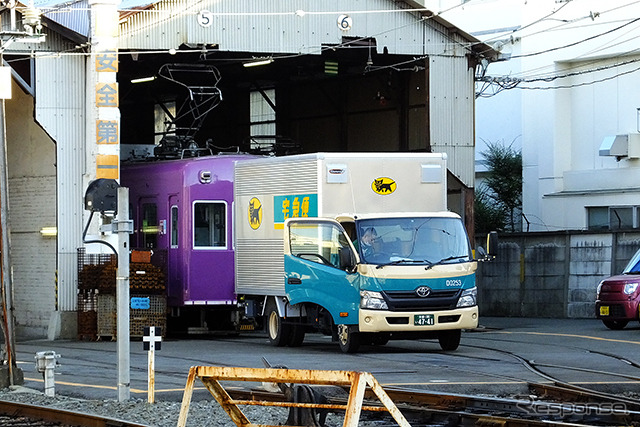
(160, 414)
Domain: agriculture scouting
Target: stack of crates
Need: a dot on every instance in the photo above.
(96, 275)
(97, 290)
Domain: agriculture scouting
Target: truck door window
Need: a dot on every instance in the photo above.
(150, 226)
(317, 242)
(209, 225)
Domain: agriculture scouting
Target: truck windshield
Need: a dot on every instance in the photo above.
(410, 241)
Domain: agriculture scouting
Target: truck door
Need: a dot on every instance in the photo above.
(318, 256)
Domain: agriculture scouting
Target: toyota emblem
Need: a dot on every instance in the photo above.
(423, 291)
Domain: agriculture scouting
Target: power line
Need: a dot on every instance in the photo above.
(577, 42)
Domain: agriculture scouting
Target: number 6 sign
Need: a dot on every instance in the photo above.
(345, 22)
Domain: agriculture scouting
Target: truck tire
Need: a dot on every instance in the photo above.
(279, 332)
(297, 336)
(348, 340)
(616, 325)
(379, 338)
(449, 340)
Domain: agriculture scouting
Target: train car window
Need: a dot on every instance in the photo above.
(210, 225)
(150, 228)
(174, 226)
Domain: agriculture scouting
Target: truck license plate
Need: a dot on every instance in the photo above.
(604, 310)
(423, 319)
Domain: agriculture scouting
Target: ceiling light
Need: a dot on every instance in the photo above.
(49, 231)
(143, 79)
(258, 61)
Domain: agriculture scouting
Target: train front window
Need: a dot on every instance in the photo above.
(150, 227)
(209, 225)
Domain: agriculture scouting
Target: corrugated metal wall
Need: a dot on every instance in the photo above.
(237, 27)
(451, 114)
(60, 110)
(74, 15)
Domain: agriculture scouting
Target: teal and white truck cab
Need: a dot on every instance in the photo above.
(357, 246)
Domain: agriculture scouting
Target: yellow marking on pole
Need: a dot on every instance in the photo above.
(107, 166)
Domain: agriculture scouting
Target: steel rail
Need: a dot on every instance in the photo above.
(419, 405)
(61, 416)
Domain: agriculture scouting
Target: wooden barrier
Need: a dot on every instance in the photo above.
(357, 381)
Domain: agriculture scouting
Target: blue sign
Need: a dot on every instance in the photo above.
(141, 303)
(294, 206)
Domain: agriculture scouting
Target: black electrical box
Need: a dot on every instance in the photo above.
(102, 195)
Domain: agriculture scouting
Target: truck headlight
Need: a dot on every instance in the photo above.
(468, 298)
(372, 300)
(630, 288)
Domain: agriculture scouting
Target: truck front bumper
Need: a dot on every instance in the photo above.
(409, 321)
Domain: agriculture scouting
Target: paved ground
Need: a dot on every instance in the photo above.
(488, 360)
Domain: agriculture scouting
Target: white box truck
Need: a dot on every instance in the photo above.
(357, 246)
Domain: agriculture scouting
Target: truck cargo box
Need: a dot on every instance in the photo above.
(269, 190)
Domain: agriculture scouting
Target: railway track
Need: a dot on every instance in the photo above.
(554, 406)
(14, 414)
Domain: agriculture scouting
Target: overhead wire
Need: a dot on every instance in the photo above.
(507, 82)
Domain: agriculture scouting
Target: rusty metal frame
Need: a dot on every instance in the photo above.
(357, 381)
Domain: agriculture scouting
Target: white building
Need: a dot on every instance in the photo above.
(568, 88)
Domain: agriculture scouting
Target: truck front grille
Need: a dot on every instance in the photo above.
(409, 301)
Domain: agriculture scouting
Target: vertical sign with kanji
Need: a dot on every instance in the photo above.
(108, 121)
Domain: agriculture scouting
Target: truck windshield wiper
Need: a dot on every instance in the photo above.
(444, 260)
(402, 261)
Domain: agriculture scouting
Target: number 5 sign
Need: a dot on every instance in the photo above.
(205, 18)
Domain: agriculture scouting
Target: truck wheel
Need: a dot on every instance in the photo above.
(297, 336)
(449, 340)
(348, 340)
(380, 338)
(279, 333)
(616, 325)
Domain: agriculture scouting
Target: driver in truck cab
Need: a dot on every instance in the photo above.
(367, 241)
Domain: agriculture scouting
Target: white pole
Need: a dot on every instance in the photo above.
(151, 383)
(122, 296)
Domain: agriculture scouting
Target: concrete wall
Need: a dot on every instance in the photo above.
(551, 274)
(32, 205)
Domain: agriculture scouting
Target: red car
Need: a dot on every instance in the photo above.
(618, 296)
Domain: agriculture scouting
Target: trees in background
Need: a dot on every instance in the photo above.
(498, 199)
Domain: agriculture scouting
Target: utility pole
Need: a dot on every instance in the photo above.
(123, 227)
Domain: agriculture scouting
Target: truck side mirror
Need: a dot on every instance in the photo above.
(347, 260)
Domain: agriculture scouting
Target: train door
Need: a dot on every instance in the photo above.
(211, 260)
(174, 270)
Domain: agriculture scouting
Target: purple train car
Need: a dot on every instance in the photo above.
(183, 211)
